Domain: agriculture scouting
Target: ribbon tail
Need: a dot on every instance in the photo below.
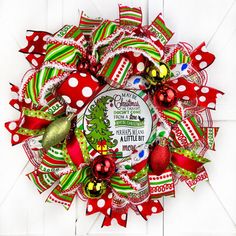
(150, 207)
(210, 135)
(201, 177)
(42, 181)
(56, 196)
(201, 58)
(36, 41)
(120, 217)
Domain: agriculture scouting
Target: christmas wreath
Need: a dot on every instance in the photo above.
(114, 114)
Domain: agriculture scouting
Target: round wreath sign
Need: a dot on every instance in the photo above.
(114, 114)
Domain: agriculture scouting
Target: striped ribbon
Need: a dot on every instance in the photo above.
(53, 160)
(54, 106)
(173, 115)
(159, 29)
(178, 58)
(117, 71)
(161, 185)
(42, 181)
(87, 24)
(130, 15)
(134, 44)
(57, 196)
(210, 134)
(186, 132)
(120, 186)
(106, 29)
(201, 176)
(70, 182)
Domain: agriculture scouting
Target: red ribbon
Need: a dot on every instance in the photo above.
(185, 162)
(74, 150)
(34, 123)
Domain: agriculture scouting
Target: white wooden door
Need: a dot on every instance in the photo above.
(211, 210)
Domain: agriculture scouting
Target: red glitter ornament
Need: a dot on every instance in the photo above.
(165, 97)
(103, 167)
(160, 157)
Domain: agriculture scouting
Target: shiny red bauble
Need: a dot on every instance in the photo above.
(159, 158)
(165, 97)
(103, 167)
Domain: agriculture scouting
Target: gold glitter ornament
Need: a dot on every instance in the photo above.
(57, 131)
(94, 188)
(156, 75)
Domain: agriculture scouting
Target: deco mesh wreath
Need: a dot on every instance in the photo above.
(113, 114)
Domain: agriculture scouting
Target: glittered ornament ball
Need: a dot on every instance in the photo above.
(160, 157)
(94, 188)
(103, 167)
(165, 97)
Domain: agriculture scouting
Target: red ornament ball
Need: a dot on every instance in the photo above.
(160, 158)
(165, 97)
(103, 167)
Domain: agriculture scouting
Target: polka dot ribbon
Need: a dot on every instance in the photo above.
(202, 96)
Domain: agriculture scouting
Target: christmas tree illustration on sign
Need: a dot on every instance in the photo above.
(98, 125)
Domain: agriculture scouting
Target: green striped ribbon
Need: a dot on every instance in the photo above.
(88, 24)
(120, 186)
(138, 44)
(173, 115)
(160, 30)
(57, 196)
(130, 15)
(105, 30)
(56, 54)
(62, 53)
(71, 180)
(178, 58)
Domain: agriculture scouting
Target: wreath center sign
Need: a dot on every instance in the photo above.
(117, 119)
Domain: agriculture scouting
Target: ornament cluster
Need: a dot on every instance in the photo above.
(74, 65)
